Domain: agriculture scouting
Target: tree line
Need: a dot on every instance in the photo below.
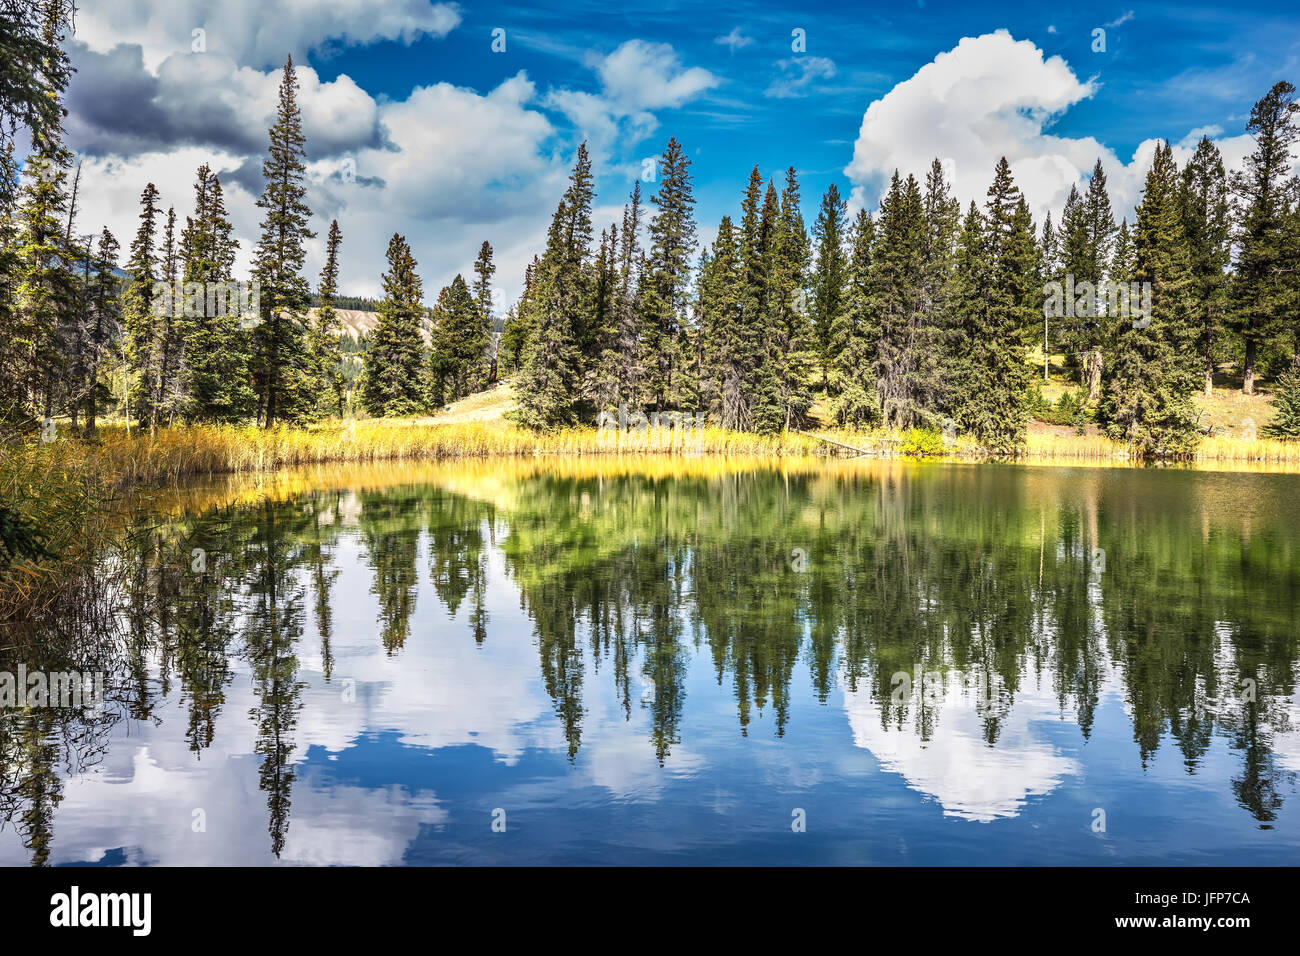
(923, 314)
(917, 315)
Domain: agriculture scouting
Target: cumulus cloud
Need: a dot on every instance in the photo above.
(647, 76)
(118, 106)
(447, 166)
(259, 32)
(994, 96)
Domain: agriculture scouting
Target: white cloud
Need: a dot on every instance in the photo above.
(647, 76)
(446, 166)
(1120, 20)
(259, 32)
(994, 96)
(635, 79)
(797, 75)
(735, 40)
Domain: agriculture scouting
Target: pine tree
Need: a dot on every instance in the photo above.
(1285, 424)
(548, 380)
(138, 314)
(998, 263)
(392, 381)
(459, 344)
(791, 343)
(559, 322)
(281, 355)
(1261, 293)
(726, 350)
(757, 406)
(13, 384)
(665, 305)
(616, 380)
(171, 326)
(855, 338)
(1099, 230)
(1147, 400)
(942, 216)
(325, 331)
(829, 276)
(1206, 224)
(904, 346)
(218, 382)
(1050, 256)
(518, 325)
(484, 269)
(105, 323)
(46, 289)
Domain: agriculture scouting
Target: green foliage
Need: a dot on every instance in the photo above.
(216, 346)
(922, 443)
(997, 290)
(1264, 292)
(324, 347)
(1286, 407)
(393, 380)
(458, 360)
(1146, 402)
(285, 388)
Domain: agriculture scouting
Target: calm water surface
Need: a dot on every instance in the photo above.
(699, 662)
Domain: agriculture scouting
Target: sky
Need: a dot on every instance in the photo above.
(457, 123)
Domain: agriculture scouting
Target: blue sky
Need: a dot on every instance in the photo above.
(416, 125)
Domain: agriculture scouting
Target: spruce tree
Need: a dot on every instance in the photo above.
(666, 303)
(791, 341)
(1147, 400)
(484, 269)
(1050, 257)
(1261, 291)
(559, 321)
(857, 403)
(325, 331)
(758, 404)
(616, 380)
(830, 274)
(1207, 225)
(999, 264)
(218, 378)
(138, 314)
(393, 377)
(171, 327)
(1099, 229)
(517, 327)
(105, 322)
(904, 346)
(942, 216)
(459, 344)
(282, 362)
(13, 384)
(725, 345)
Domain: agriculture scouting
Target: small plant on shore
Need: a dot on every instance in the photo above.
(1286, 407)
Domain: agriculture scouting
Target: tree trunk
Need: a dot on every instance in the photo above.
(1093, 361)
(1248, 371)
(1209, 377)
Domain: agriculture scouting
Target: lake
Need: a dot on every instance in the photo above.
(675, 661)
